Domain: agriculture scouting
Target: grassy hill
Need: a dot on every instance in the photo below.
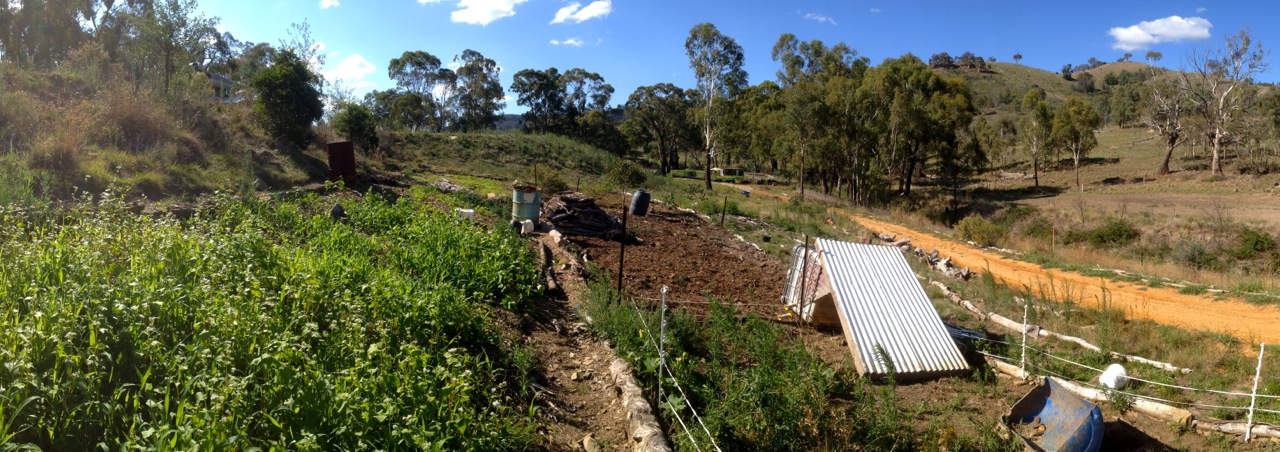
(1005, 83)
(1101, 72)
(501, 155)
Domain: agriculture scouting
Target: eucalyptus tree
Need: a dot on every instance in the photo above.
(914, 115)
(716, 61)
(1036, 129)
(808, 70)
(170, 36)
(584, 91)
(556, 100)
(1218, 85)
(541, 93)
(1163, 108)
(657, 116)
(424, 81)
(40, 33)
(479, 93)
(1073, 129)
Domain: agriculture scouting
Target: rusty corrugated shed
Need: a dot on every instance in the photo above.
(881, 302)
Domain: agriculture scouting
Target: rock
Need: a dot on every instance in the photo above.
(590, 444)
(337, 212)
(574, 377)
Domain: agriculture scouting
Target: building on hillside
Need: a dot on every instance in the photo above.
(871, 293)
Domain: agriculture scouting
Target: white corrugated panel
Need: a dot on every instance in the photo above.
(882, 303)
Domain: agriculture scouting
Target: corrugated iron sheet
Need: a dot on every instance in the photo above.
(882, 303)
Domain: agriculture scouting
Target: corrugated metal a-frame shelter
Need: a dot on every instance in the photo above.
(871, 293)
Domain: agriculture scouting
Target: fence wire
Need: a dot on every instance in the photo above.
(663, 359)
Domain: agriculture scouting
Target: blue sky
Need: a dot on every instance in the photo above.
(635, 43)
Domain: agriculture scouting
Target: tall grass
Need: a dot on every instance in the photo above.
(260, 325)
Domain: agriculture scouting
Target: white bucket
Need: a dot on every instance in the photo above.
(1114, 377)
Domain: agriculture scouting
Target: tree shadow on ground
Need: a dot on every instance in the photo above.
(1015, 194)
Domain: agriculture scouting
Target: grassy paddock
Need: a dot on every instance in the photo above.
(261, 325)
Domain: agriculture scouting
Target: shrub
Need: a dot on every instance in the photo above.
(980, 230)
(356, 123)
(1115, 232)
(1253, 243)
(288, 101)
(1040, 228)
(551, 182)
(1192, 254)
(685, 174)
(626, 174)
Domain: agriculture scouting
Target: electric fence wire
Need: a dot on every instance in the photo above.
(1140, 396)
(1145, 397)
(649, 335)
(1130, 377)
(674, 380)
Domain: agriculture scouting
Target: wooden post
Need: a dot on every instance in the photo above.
(724, 208)
(622, 252)
(1253, 399)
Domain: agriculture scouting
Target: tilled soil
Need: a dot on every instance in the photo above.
(694, 259)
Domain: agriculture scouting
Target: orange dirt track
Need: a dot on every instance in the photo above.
(1246, 321)
(1249, 322)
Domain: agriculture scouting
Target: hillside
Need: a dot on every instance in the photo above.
(1006, 83)
(1101, 72)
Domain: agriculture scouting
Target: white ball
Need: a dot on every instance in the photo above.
(1115, 377)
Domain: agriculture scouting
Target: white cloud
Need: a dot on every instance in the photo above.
(576, 13)
(575, 42)
(481, 12)
(1201, 10)
(352, 69)
(819, 18)
(430, 1)
(875, 10)
(1147, 33)
(326, 4)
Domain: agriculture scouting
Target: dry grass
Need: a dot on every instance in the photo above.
(87, 126)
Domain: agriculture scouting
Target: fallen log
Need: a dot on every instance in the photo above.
(1236, 428)
(1012, 325)
(1008, 369)
(642, 425)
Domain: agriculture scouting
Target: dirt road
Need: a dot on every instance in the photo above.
(1249, 322)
